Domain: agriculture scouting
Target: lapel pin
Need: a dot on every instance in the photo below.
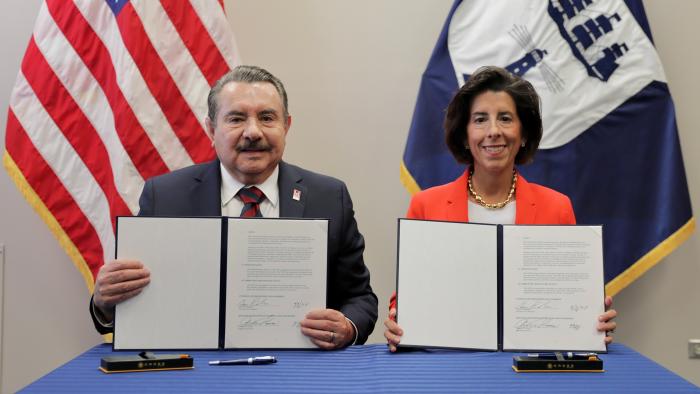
(296, 195)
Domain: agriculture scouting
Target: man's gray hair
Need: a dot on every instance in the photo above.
(248, 74)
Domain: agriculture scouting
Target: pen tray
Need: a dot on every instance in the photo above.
(161, 362)
(531, 364)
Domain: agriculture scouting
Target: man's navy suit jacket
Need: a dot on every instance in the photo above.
(196, 191)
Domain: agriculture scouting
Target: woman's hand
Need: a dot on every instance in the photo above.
(605, 322)
(393, 332)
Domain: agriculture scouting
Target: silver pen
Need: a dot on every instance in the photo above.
(246, 361)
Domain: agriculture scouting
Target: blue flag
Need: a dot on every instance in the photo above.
(610, 139)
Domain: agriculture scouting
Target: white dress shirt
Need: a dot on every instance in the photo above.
(232, 205)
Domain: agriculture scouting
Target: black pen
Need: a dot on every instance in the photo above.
(246, 361)
(566, 355)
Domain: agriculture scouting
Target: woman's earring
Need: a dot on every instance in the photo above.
(522, 144)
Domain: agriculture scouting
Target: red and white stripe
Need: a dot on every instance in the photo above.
(103, 102)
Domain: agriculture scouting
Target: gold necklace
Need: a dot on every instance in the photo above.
(480, 200)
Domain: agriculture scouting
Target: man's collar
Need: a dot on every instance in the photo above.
(230, 186)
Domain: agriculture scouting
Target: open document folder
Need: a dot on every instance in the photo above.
(221, 282)
(500, 287)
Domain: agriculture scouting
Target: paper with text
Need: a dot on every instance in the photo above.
(553, 288)
(276, 274)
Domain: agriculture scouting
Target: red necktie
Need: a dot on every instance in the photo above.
(251, 197)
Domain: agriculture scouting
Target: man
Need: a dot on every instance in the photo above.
(248, 122)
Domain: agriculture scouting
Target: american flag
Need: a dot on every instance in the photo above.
(110, 93)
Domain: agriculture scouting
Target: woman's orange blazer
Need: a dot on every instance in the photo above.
(534, 204)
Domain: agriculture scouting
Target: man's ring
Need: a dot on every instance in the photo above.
(332, 337)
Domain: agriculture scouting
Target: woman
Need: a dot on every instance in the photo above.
(492, 123)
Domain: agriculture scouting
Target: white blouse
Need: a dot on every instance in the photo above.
(481, 214)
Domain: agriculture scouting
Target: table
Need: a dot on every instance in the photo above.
(363, 369)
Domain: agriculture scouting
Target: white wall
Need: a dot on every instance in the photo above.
(661, 311)
(352, 71)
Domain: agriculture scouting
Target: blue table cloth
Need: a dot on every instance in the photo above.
(362, 369)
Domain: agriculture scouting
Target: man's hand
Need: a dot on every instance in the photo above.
(118, 281)
(393, 332)
(328, 328)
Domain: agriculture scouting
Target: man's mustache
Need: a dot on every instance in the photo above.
(256, 146)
